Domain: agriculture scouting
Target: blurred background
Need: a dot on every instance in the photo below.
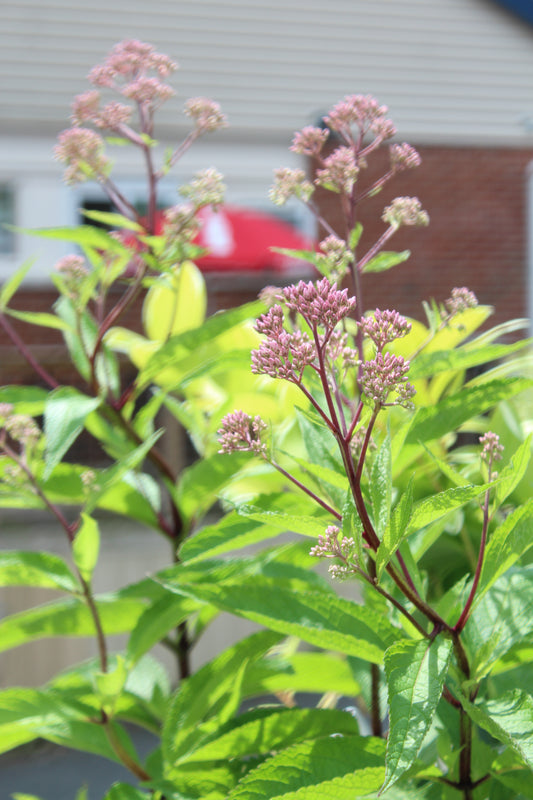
(457, 76)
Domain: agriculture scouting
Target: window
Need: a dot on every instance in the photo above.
(7, 217)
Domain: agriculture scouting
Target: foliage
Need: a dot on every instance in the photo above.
(356, 430)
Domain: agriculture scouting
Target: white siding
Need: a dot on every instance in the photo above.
(450, 70)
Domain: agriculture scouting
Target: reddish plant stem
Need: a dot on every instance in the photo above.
(354, 422)
(116, 312)
(463, 619)
(27, 354)
(307, 490)
(324, 380)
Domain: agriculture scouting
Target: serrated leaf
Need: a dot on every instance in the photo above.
(298, 523)
(380, 486)
(509, 719)
(264, 730)
(153, 625)
(325, 620)
(65, 413)
(231, 533)
(340, 767)
(502, 618)
(301, 672)
(47, 570)
(69, 618)
(209, 695)
(432, 422)
(86, 547)
(415, 677)
(506, 545)
(513, 472)
(396, 529)
(519, 780)
(199, 484)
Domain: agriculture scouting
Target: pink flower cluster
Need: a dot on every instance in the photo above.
(206, 189)
(129, 59)
(384, 327)
(82, 151)
(362, 111)
(405, 211)
(285, 355)
(492, 449)
(329, 546)
(309, 141)
(320, 304)
(339, 172)
(206, 114)
(403, 156)
(281, 354)
(461, 299)
(241, 433)
(384, 374)
(290, 183)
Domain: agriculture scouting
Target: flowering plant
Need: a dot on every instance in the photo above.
(426, 647)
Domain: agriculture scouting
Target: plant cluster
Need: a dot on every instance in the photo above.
(357, 429)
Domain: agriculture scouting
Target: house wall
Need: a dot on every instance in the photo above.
(477, 236)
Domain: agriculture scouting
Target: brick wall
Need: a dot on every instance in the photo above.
(476, 199)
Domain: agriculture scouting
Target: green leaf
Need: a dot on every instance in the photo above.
(84, 235)
(519, 780)
(20, 568)
(324, 620)
(113, 220)
(341, 768)
(26, 399)
(86, 546)
(153, 625)
(432, 422)
(301, 672)
(380, 486)
(355, 235)
(119, 471)
(209, 695)
(231, 533)
(124, 791)
(513, 472)
(415, 676)
(68, 618)
(10, 286)
(39, 318)
(264, 730)
(181, 346)
(199, 484)
(502, 618)
(509, 719)
(298, 523)
(434, 507)
(386, 260)
(396, 529)
(65, 413)
(425, 365)
(506, 545)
